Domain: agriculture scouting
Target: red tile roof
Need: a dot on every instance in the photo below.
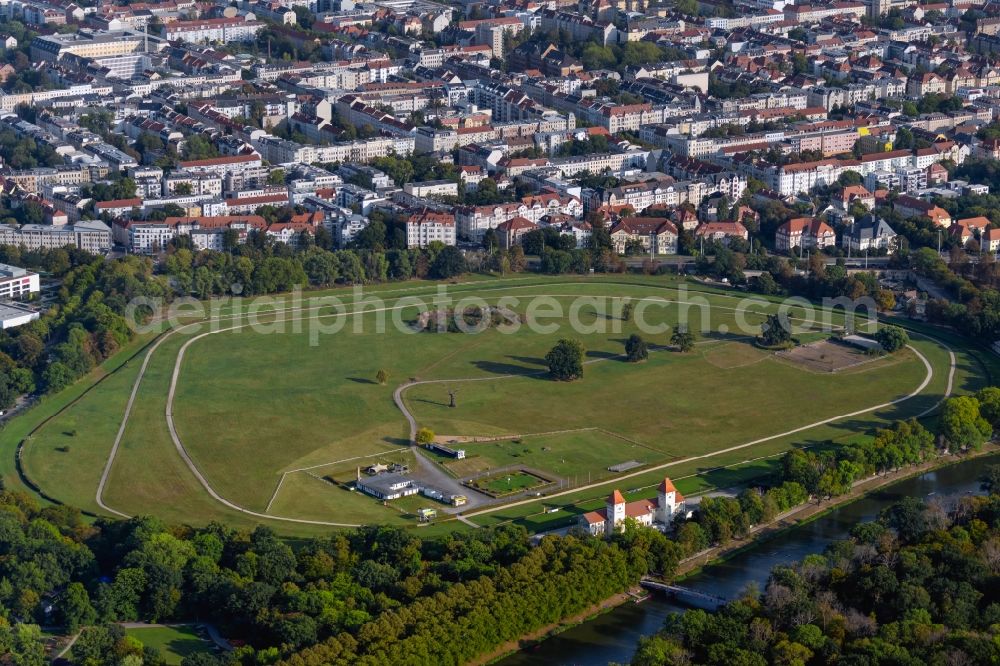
(639, 508)
(118, 203)
(516, 224)
(975, 223)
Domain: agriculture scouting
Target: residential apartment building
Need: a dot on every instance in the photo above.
(223, 165)
(600, 162)
(34, 180)
(869, 234)
(220, 30)
(804, 176)
(509, 233)
(282, 151)
(909, 206)
(721, 232)
(473, 221)
(432, 188)
(207, 232)
(426, 227)
(86, 44)
(655, 235)
(804, 233)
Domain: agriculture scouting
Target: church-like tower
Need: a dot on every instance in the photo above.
(666, 500)
(614, 511)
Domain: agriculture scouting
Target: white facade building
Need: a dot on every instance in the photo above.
(90, 235)
(425, 228)
(12, 315)
(16, 282)
(222, 30)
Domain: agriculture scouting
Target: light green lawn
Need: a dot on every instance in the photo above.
(70, 452)
(304, 496)
(703, 475)
(54, 407)
(506, 483)
(173, 643)
(563, 454)
(324, 404)
(678, 405)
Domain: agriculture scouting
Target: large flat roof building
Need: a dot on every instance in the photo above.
(90, 235)
(12, 315)
(17, 282)
(86, 44)
(387, 486)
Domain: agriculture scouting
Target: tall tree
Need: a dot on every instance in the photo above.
(776, 330)
(565, 360)
(962, 425)
(628, 308)
(682, 339)
(892, 338)
(989, 405)
(448, 263)
(636, 349)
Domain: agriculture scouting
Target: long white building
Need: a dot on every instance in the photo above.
(90, 235)
(222, 30)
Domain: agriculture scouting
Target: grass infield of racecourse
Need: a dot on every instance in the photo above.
(271, 420)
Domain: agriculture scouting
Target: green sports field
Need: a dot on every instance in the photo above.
(508, 482)
(277, 420)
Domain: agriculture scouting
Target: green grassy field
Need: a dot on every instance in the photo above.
(563, 454)
(265, 416)
(676, 404)
(509, 482)
(173, 643)
(78, 448)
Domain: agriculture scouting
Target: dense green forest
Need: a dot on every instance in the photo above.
(81, 329)
(921, 585)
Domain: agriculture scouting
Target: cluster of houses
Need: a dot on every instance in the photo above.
(869, 233)
(217, 114)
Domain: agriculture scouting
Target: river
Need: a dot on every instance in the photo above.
(613, 637)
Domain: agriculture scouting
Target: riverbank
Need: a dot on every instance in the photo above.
(807, 512)
(535, 637)
(798, 517)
